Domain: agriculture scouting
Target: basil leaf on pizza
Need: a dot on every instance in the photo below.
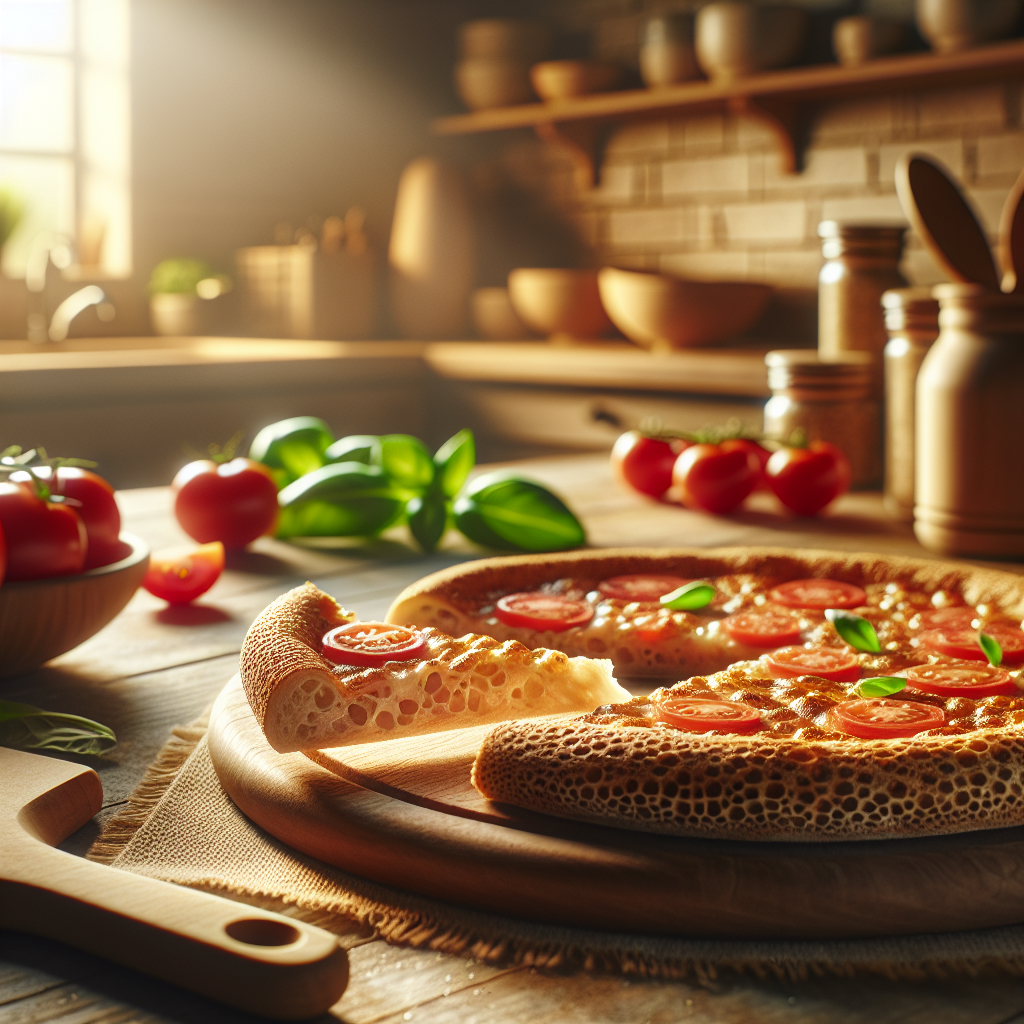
(690, 596)
(880, 686)
(990, 645)
(855, 630)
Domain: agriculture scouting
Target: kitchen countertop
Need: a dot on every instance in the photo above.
(154, 667)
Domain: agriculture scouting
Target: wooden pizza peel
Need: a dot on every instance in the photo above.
(403, 813)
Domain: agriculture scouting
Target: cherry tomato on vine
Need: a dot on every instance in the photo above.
(744, 444)
(233, 502)
(805, 480)
(44, 538)
(645, 463)
(178, 580)
(714, 478)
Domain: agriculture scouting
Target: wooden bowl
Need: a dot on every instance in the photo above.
(952, 25)
(662, 312)
(558, 302)
(40, 619)
(563, 79)
(734, 39)
(484, 82)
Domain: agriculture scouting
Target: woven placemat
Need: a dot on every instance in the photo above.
(180, 826)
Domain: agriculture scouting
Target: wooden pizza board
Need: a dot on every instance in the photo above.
(403, 813)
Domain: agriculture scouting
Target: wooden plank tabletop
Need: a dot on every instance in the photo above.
(155, 667)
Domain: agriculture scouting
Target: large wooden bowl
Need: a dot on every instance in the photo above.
(558, 302)
(40, 619)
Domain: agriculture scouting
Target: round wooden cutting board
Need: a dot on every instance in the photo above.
(403, 813)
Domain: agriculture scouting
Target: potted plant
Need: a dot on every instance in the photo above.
(182, 294)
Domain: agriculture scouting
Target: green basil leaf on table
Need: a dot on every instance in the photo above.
(854, 629)
(990, 645)
(364, 448)
(503, 511)
(293, 447)
(342, 499)
(428, 518)
(454, 460)
(690, 596)
(406, 461)
(880, 686)
(32, 728)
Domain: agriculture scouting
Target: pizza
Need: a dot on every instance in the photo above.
(317, 677)
(769, 734)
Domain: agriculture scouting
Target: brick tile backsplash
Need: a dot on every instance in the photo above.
(713, 174)
(949, 152)
(1000, 154)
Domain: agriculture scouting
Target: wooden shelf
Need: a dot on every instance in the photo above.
(781, 99)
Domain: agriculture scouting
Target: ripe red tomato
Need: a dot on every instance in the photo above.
(234, 502)
(44, 538)
(640, 586)
(706, 714)
(372, 643)
(805, 480)
(715, 479)
(645, 463)
(825, 663)
(963, 680)
(766, 628)
(182, 579)
(881, 718)
(818, 593)
(537, 610)
(744, 444)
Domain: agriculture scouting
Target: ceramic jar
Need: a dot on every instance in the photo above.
(667, 55)
(912, 322)
(828, 400)
(969, 487)
(951, 25)
(861, 262)
(858, 39)
(734, 38)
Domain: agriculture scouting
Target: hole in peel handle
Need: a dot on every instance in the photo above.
(258, 931)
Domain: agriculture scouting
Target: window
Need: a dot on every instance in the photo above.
(64, 128)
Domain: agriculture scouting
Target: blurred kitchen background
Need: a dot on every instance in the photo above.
(259, 145)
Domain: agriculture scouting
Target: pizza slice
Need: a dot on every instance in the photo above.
(315, 677)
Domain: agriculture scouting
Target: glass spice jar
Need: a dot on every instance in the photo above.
(861, 262)
(912, 322)
(828, 400)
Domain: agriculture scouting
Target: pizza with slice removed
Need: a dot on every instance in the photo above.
(315, 677)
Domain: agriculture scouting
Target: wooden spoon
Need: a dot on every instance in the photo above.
(1011, 238)
(940, 215)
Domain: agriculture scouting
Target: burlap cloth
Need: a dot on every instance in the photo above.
(180, 826)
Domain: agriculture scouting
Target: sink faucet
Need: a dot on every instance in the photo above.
(90, 295)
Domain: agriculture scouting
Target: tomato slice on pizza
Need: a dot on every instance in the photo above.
(819, 594)
(963, 680)
(963, 643)
(949, 618)
(707, 714)
(824, 662)
(542, 611)
(764, 628)
(372, 643)
(879, 718)
(638, 586)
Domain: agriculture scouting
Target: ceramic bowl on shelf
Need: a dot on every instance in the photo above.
(40, 619)
(666, 51)
(495, 318)
(951, 25)
(564, 79)
(734, 39)
(662, 312)
(486, 82)
(504, 39)
(559, 303)
(858, 39)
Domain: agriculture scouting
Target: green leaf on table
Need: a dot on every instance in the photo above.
(428, 518)
(31, 728)
(854, 629)
(406, 461)
(880, 686)
(503, 511)
(297, 445)
(342, 499)
(990, 645)
(690, 596)
(454, 460)
(364, 448)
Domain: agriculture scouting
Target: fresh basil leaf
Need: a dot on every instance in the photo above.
(990, 645)
(428, 518)
(342, 499)
(364, 448)
(854, 629)
(32, 728)
(454, 460)
(503, 511)
(690, 596)
(297, 445)
(406, 462)
(880, 686)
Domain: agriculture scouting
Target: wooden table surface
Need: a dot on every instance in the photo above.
(154, 667)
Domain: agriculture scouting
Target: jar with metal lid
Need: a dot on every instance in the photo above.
(861, 262)
(828, 400)
(969, 480)
(912, 321)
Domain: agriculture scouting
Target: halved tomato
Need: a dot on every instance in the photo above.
(706, 714)
(818, 594)
(824, 662)
(640, 586)
(372, 644)
(879, 718)
(963, 643)
(964, 680)
(537, 610)
(948, 618)
(181, 579)
(767, 628)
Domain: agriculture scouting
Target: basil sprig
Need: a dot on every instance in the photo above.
(880, 686)
(990, 645)
(854, 629)
(32, 728)
(689, 597)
